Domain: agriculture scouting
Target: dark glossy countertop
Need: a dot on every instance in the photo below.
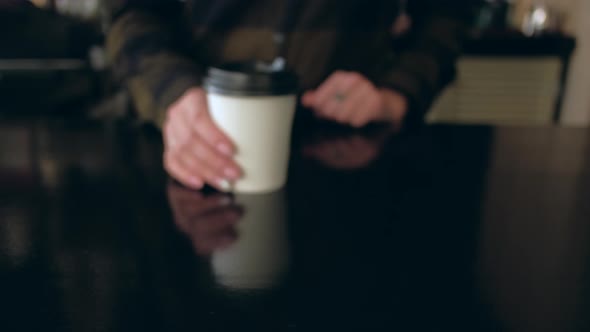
(443, 228)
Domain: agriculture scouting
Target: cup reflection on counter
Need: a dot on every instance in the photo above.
(244, 237)
(260, 256)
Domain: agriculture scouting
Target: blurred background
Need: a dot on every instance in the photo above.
(525, 63)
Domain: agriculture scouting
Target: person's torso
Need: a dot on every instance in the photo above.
(321, 35)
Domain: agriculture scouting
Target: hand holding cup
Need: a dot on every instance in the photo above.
(196, 151)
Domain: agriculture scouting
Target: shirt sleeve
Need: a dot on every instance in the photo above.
(427, 64)
(147, 46)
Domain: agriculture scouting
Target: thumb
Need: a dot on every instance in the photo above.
(308, 99)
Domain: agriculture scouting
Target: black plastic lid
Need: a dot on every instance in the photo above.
(250, 79)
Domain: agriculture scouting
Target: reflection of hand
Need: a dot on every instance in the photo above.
(352, 152)
(209, 221)
(196, 151)
(350, 98)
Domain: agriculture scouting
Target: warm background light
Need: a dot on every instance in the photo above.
(40, 3)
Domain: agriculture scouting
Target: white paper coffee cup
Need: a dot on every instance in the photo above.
(255, 108)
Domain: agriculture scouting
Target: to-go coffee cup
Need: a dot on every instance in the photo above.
(255, 107)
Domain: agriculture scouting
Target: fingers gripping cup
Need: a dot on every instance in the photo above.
(255, 106)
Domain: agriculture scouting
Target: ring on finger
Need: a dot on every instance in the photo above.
(339, 97)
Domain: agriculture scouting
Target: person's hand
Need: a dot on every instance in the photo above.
(209, 221)
(196, 152)
(350, 98)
